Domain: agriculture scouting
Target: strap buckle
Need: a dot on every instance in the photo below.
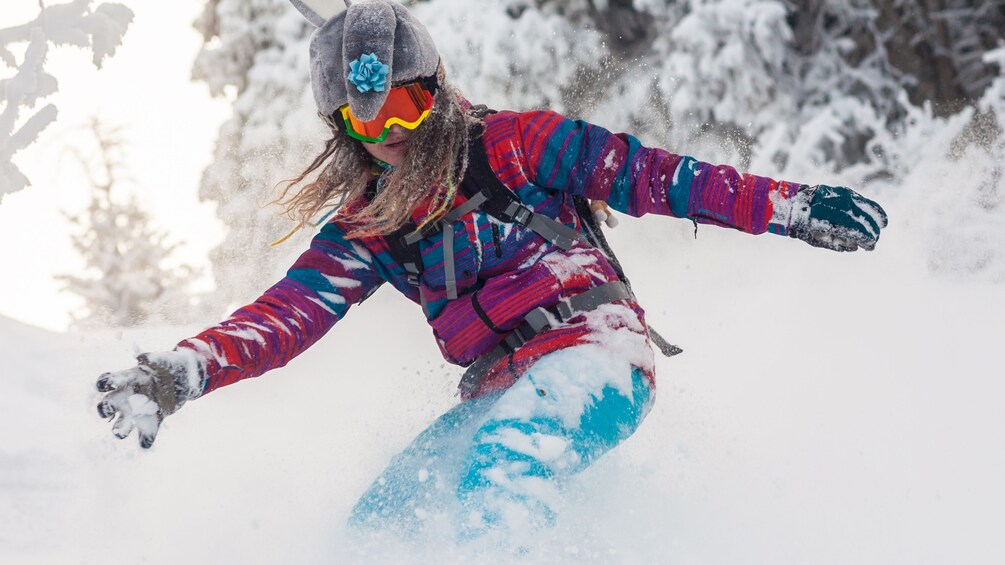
(535, 323)
(519, 213)
(412, 273)
(516, 339)
(419, 234)
(565, 310)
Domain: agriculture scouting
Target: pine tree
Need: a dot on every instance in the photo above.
(127, 282)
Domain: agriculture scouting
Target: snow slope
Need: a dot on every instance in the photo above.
(828, 408)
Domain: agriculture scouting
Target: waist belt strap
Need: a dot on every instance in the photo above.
(537, 322)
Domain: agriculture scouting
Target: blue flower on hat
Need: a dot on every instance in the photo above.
(368, 73)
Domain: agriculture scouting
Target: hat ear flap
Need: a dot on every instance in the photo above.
(320, 11)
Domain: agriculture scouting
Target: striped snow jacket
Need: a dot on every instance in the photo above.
(502, 270)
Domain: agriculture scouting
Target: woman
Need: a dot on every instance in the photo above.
(471, 214)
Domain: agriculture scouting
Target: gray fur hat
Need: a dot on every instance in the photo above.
(360, 49)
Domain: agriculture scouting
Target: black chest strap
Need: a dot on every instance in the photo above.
(504, 205)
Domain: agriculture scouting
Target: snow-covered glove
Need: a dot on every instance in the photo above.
(144, 395)
(836, 218)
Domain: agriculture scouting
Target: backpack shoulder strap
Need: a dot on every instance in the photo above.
(503, 204)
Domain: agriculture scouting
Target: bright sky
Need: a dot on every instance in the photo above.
(169, 125)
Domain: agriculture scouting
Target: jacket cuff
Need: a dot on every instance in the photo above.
(786, 208)
(188, 369)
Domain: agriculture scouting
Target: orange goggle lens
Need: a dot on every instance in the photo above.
(406, 106)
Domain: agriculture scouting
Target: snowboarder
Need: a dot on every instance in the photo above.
(471, 214)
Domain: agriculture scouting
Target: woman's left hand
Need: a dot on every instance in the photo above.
(602, 213)
(836, 218)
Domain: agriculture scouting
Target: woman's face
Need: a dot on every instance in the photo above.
(392, 149)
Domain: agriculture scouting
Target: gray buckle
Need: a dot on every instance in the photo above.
(516, 339)
(411, 273)
(535, 323)
(519, 213)
(565, 310)
(538, 320)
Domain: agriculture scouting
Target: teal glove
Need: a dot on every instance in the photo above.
(836, 218)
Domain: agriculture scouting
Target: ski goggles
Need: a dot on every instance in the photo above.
(406, 105)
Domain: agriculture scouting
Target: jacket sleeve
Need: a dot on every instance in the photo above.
(588, 160)
(315, 293)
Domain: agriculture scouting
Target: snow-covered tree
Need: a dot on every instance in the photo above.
(846, 93)
(940, 45)
(725, 71)
(75, 23)
(734, 80)
(859, 92)
(127, 281)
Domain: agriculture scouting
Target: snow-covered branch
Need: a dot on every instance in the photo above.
(74, 24)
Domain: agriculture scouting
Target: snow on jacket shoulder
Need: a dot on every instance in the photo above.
(503, 271)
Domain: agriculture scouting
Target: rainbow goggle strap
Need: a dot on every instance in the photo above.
(406, 105)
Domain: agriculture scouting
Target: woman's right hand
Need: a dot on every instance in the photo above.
(144, 395)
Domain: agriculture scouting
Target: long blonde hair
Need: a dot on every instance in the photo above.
(433, 165)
